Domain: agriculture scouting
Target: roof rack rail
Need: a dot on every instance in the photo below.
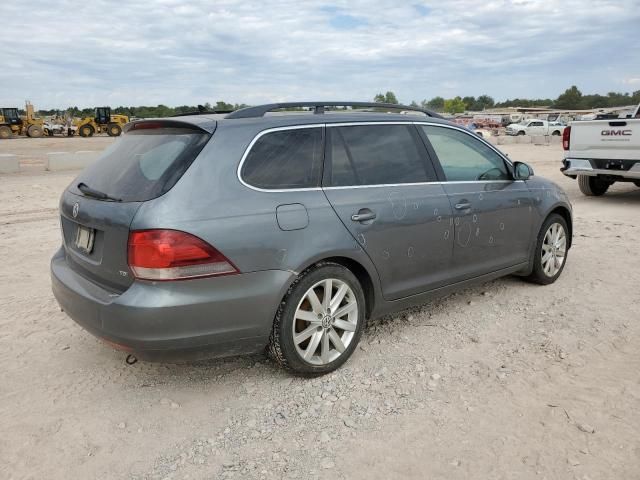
(319, 108)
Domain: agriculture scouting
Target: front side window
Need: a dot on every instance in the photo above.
(285, 159)
(465, 158)
(375, 155)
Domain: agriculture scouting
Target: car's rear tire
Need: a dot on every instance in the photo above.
(556, 133)
(315, 333)
(592, 186)
(552, 247)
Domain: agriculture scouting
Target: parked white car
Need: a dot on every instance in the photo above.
(535, 127)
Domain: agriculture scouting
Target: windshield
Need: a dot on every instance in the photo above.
(142, 165)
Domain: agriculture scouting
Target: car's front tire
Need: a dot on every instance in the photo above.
(552, 247)
(320, 321)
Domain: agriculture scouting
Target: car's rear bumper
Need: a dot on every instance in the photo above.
(573, 167)
(205, 317)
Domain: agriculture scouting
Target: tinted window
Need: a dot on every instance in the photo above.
(375, 155)
(465, 158)
(285, 159)
(144, 164)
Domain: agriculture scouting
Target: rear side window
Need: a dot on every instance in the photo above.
(465, 158)
(142, 165)
(285, 159)
(375, 155)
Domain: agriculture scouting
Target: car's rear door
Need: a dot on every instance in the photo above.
(383, 187)
(493, 213)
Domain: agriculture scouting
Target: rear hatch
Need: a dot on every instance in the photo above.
(100, 204)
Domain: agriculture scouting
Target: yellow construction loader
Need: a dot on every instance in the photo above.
(11, 123)
(102, 122)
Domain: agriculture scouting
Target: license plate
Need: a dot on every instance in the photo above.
(84, 238)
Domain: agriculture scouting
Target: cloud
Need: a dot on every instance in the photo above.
(172, 52)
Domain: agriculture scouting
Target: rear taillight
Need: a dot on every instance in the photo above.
(566, 138)
(174, 255)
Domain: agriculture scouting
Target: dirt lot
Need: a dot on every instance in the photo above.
(507, 380)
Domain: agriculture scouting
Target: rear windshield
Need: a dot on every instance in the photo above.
(142, 165)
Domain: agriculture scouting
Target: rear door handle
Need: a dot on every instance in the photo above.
(463, 206)
(363, 215)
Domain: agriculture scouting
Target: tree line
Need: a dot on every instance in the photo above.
(158, 111)
(571, 99)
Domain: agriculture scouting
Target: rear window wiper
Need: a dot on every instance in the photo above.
(92, 192)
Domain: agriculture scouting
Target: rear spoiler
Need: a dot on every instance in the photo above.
(205, 125)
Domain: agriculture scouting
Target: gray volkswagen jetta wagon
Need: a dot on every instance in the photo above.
(222, 234)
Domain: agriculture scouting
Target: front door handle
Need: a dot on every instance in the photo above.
(463, 205)
(363, 215)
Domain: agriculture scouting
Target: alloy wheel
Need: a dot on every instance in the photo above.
(554, 249)
(325, 321)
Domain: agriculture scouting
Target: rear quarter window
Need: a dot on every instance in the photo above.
(142, 165)
(285, 159)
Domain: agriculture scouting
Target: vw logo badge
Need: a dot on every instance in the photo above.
(76, 208)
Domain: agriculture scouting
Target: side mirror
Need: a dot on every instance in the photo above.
(522, 171)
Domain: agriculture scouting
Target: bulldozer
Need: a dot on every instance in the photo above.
(11, 123)
(102, 122)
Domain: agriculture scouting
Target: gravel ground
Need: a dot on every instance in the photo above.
(506, 380)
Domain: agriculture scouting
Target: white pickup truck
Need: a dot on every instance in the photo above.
(535, 127)
(601, 152)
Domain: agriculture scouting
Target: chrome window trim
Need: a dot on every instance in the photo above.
(348, 124)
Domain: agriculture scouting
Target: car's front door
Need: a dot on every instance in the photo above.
(382, 185)
(536, 128)
(493, 213)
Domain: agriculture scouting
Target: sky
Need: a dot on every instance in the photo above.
(174, 52)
